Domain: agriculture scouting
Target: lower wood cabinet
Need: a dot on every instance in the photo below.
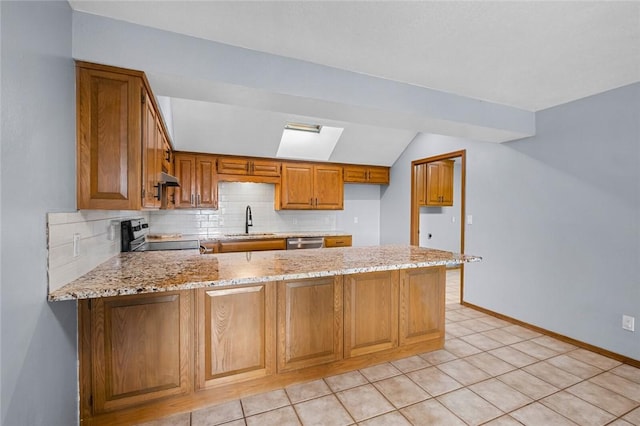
(370, 312)
(140, 348)
(309, 322)
(151, 355)
(422, 304)
(235, 334)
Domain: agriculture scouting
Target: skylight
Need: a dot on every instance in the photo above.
(308, 141)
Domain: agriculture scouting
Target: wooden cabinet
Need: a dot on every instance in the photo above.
(309, 321)
(119, 139)
(420, 176)
(109, 128)
(251, 245)
(308, 186)
(140, 348)
(236, 334)
(198, 183)
(151, 154)
(248, 166)
(338, 241)
(366, 174)
(439, 183)
(370, 312)
(422, 293)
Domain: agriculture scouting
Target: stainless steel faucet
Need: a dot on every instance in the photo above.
(248, 220)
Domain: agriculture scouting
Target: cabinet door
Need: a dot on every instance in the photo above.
(233, 166)
(355, 174)
(236, 334)
(421, 184)
(108, 140)
(141, 348)
(378, 175)
(265, 168)
(422, 300)
(206, 182)
(151, 147)
(185, 170)
(446, 183)
(338, 241)
(370, 312)
(309, 322)
(328, 186)
(434, 185)
(296, 190)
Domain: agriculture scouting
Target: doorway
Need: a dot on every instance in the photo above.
(455, 208)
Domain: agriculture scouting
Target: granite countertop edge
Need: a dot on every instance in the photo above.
(118, 276)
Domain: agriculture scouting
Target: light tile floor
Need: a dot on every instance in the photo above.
(490, 372)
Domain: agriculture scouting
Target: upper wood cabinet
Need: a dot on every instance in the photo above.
(366, 174)
(238, 167)
(236, 334)
(119, 139)
(309, 322)
(141, 348)
(420, 176)
(109, 128)
(439, 185)
(198, 181)
(151, 154)
(307, 186)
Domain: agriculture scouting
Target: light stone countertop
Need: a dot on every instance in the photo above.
(157, 271)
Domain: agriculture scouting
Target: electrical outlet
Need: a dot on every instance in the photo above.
(628, 323)
(76, 245)
(469, 219)
(355, 219)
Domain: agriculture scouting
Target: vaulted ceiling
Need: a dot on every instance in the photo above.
(526, 55)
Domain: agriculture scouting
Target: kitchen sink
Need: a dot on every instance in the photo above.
(251, 234)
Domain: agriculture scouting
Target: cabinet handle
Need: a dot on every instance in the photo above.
(316, 202)
(198, 200)
(192, 199)
(311, 201)
(248, 167)
(168, 153)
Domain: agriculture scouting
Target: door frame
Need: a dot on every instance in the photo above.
(414, 236)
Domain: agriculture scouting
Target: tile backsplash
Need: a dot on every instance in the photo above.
(99, 240)
(233, 199)
(99, 230)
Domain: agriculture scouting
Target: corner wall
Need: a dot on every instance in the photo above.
(39, 339)
(556, 218)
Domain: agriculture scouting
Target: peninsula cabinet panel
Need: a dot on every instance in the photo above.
(370, 312)
(141, 348)
(309, 317)
(422, 293)
(108, 140)
(236, 334)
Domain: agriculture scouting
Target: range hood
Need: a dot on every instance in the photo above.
(168, 180)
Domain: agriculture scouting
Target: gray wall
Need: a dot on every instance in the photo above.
(555, 217)
(39, 370)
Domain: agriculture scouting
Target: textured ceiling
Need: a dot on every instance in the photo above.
(527, 55)
(531, 55)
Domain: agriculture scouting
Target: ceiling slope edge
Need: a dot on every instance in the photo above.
(191, 68)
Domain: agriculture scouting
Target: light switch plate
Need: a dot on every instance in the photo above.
(628, 323)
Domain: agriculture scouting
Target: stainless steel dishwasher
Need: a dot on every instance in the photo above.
(304, 243)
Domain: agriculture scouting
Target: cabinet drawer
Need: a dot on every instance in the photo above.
(338, 241)
(251, 245)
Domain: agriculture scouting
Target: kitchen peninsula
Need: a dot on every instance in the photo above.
(165, 332)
